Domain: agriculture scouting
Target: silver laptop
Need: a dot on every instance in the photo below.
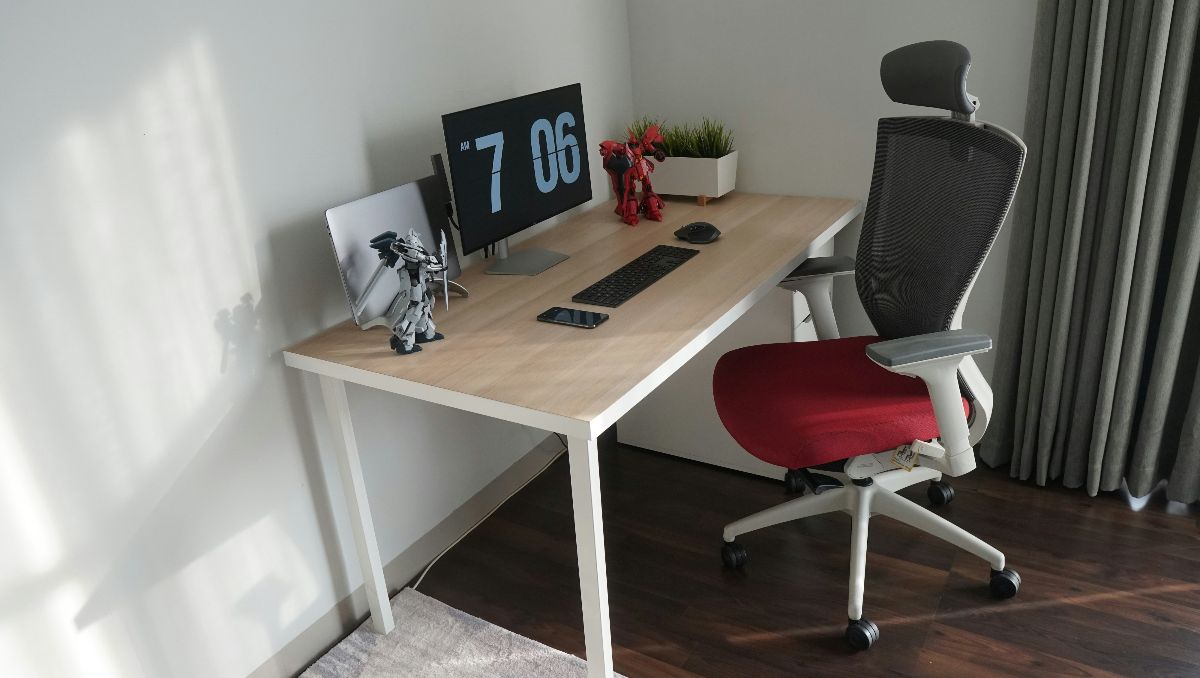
(373, 290)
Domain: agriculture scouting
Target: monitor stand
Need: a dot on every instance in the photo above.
(526, 262)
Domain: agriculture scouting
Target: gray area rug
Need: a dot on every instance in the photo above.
(432, 639)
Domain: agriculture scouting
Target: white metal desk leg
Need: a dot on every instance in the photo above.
(334, 392)
(589, 540)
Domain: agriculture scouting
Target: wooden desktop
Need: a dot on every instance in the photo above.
(499, 361)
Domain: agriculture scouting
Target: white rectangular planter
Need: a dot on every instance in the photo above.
(702, 177)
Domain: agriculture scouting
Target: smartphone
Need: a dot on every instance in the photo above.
(573, 317)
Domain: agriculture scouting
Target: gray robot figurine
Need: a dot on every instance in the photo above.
(417, 267)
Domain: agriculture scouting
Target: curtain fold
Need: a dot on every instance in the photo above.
(1096, 373)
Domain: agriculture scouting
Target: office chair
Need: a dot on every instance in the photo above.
(850, 417)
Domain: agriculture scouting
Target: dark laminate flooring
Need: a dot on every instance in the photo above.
(1106, 590)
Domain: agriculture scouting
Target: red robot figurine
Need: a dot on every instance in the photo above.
(627, 164)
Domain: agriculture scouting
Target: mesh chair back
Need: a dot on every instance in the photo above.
(939, 193)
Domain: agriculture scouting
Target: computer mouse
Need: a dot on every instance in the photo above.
(698, 233)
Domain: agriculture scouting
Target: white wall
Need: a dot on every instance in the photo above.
(798, 81)
(164, 174)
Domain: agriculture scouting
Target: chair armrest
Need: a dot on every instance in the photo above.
(925, 347)
(935, 359)
(814, 266)
(814, 279)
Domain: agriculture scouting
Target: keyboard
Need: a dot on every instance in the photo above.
(622, 284)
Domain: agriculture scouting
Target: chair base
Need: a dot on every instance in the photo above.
(874, 496)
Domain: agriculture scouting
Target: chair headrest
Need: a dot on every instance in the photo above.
(930, 73)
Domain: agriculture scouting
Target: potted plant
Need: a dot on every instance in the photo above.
(700, 160)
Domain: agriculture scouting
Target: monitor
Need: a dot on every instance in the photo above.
(517, 162)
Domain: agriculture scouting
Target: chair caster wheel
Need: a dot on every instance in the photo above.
(861, 634)
(1005, 583)
(793, 482)
(734, 555)
(940, 493)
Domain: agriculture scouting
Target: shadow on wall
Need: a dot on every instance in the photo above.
(241, 336)
(393, 160)
(142, 430)
(303, 279)
(218, 496)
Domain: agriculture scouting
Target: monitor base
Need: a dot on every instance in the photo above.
(526, 262)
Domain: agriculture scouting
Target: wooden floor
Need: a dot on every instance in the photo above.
(1105, 590)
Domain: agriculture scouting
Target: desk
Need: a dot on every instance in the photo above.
(497, 360)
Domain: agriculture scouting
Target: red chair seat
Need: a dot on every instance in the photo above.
(803, 404)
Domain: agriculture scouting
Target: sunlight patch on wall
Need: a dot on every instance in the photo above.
(266, 611)
(35, 641)
(24, 515)
(159, 242)
(127, 236)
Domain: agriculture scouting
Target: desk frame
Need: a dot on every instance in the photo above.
(581, 435)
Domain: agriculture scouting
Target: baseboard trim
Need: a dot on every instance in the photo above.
(351, 611)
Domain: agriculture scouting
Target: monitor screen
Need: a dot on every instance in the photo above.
(517, 162)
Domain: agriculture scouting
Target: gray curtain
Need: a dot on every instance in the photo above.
(1097, 377)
